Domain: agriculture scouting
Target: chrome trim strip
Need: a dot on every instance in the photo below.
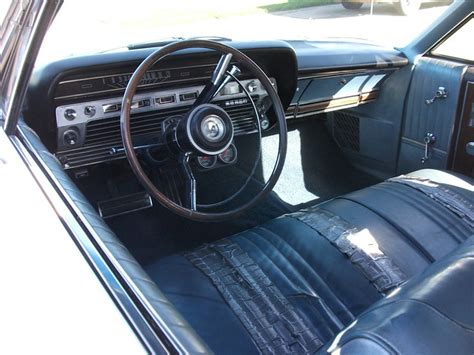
(123, 89)
(66, 206)
(112, 75)
(348, 69)
(336, 73)
(29, 36)
(331, 109)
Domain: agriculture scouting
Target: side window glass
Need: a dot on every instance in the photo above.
(459, 44)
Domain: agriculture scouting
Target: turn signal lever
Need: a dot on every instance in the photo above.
(218, 76)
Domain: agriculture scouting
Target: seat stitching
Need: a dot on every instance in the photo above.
(418, 247)
(342, 304)
(378, 268)
(385, 187)
(427, 204)
(329, 311)
(221, 301)
(274, 264)
(265, 312)
(390, 189)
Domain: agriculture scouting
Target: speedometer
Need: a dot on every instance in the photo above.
(207, 161)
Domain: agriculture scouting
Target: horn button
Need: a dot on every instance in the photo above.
(209, 130)
(212, 128)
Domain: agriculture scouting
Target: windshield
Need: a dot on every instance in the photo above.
(90, 26)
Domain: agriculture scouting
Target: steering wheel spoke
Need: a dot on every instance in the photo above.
(189, 200)
(178, 182)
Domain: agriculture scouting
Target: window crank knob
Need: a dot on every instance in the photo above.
(441, 93)
(430, 138)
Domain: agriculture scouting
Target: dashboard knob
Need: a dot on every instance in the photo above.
(252, 86)
(70, 114)
(264, 123)
(89, 111)
(70, 137)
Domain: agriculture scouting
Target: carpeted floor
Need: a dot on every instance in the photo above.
(315, 171)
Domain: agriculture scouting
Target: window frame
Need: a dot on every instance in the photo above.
(431, 53)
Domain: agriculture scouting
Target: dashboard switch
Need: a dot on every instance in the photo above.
(231, 89)
(252, 86)
(111, 108)
(89, 111)
(264, 123)
(188, 96)
(141, 103)
(166, 99)
(70, 114)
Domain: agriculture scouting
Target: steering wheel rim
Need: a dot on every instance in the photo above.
(125, 117)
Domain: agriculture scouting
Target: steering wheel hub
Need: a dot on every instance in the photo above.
(207, 130)
(213, 128)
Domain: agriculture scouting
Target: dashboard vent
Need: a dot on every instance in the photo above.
(108, 129)
(103, 135)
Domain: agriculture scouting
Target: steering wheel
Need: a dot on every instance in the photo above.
(206, 129)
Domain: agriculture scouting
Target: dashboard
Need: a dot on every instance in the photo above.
(74, 104)
(88, 132)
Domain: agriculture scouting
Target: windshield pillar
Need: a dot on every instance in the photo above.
(22, 33)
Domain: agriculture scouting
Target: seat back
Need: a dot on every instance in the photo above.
(432, 313)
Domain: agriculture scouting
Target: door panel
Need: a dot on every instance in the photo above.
(436, 118)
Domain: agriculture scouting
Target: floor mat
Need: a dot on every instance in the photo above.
(315, 169)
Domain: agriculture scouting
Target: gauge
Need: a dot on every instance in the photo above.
(207, 161)
(229, 155)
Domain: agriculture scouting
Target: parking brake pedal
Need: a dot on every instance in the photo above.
(124, 204)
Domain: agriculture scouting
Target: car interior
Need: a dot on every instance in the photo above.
(275, 196)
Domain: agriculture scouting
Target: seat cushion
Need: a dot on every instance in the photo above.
(324, 266)
(432, 313)
(319, 281)
(411, 227)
